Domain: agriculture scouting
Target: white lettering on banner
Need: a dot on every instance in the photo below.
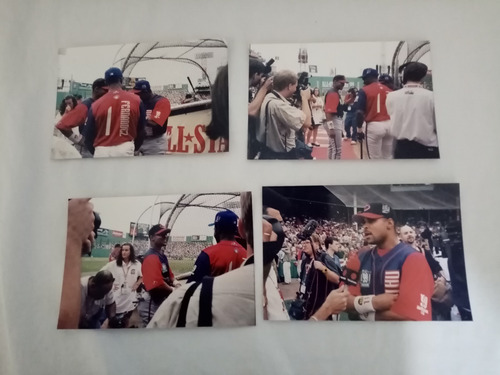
(424, 302)
(158, 114)
(124, 117)
(186, 134)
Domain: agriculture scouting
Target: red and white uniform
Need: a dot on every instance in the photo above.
(115, 119)
(371, 100)
(400, 270)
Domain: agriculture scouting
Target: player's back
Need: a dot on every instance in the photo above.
(376, 95)
(116, 115)
(225, 256)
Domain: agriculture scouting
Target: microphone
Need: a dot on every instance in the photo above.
(350, 275)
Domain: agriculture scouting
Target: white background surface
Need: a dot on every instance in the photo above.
(34, 189)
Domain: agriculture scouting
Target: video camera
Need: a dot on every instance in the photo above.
(302, 84)
(267, 68)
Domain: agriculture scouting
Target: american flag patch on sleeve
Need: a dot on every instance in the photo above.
(391, 281)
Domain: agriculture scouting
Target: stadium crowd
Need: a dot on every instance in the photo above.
(285, 112)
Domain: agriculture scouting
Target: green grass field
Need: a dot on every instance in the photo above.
(91, 266)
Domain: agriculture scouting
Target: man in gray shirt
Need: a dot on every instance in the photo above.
(279, 120)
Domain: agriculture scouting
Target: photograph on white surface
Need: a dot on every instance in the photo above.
(150, 98)
(341, 101)
(367, 252)
(166, 261)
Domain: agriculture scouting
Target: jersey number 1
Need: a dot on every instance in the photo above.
(108, 122)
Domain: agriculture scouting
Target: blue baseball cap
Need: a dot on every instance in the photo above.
(113, 75)
(385, 78)
(226, 219)
(141, 85)
(369, 72)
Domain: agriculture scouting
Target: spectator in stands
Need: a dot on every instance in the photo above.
(97, 300)
(188, 98)
(226, 255)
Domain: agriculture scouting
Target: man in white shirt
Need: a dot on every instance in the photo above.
(413, 122)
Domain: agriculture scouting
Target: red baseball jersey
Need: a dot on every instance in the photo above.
(372, 101)
(74, 118)
(158, 109)
(218, 259)
(412, 281)
(332, 102)
(117, 117)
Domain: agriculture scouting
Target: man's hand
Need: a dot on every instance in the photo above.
(305, 94)
(382, 302)
(267, 84)
(335, 303)
(318, 265)
(80, 219)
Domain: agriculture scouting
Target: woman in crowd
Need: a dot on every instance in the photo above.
(318, 116)
(126, 271)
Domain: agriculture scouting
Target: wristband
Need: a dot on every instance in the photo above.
(363, 304)
(368, 317)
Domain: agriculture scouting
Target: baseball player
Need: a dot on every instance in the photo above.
(115, 122)
(371, 109)
(386, 80)
(77, 117)
(334, 111)
(226, 255)
(158, 277)
(394, 281)
(157, 112)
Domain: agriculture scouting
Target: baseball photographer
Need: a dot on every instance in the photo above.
(260, 83)
(279, 120)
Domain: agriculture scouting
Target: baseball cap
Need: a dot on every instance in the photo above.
(141, 85)
(369, 72)
(340, 78)
(386, 78)
(113, 75)
(375, 211)
(158, 230)
(226, 219)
